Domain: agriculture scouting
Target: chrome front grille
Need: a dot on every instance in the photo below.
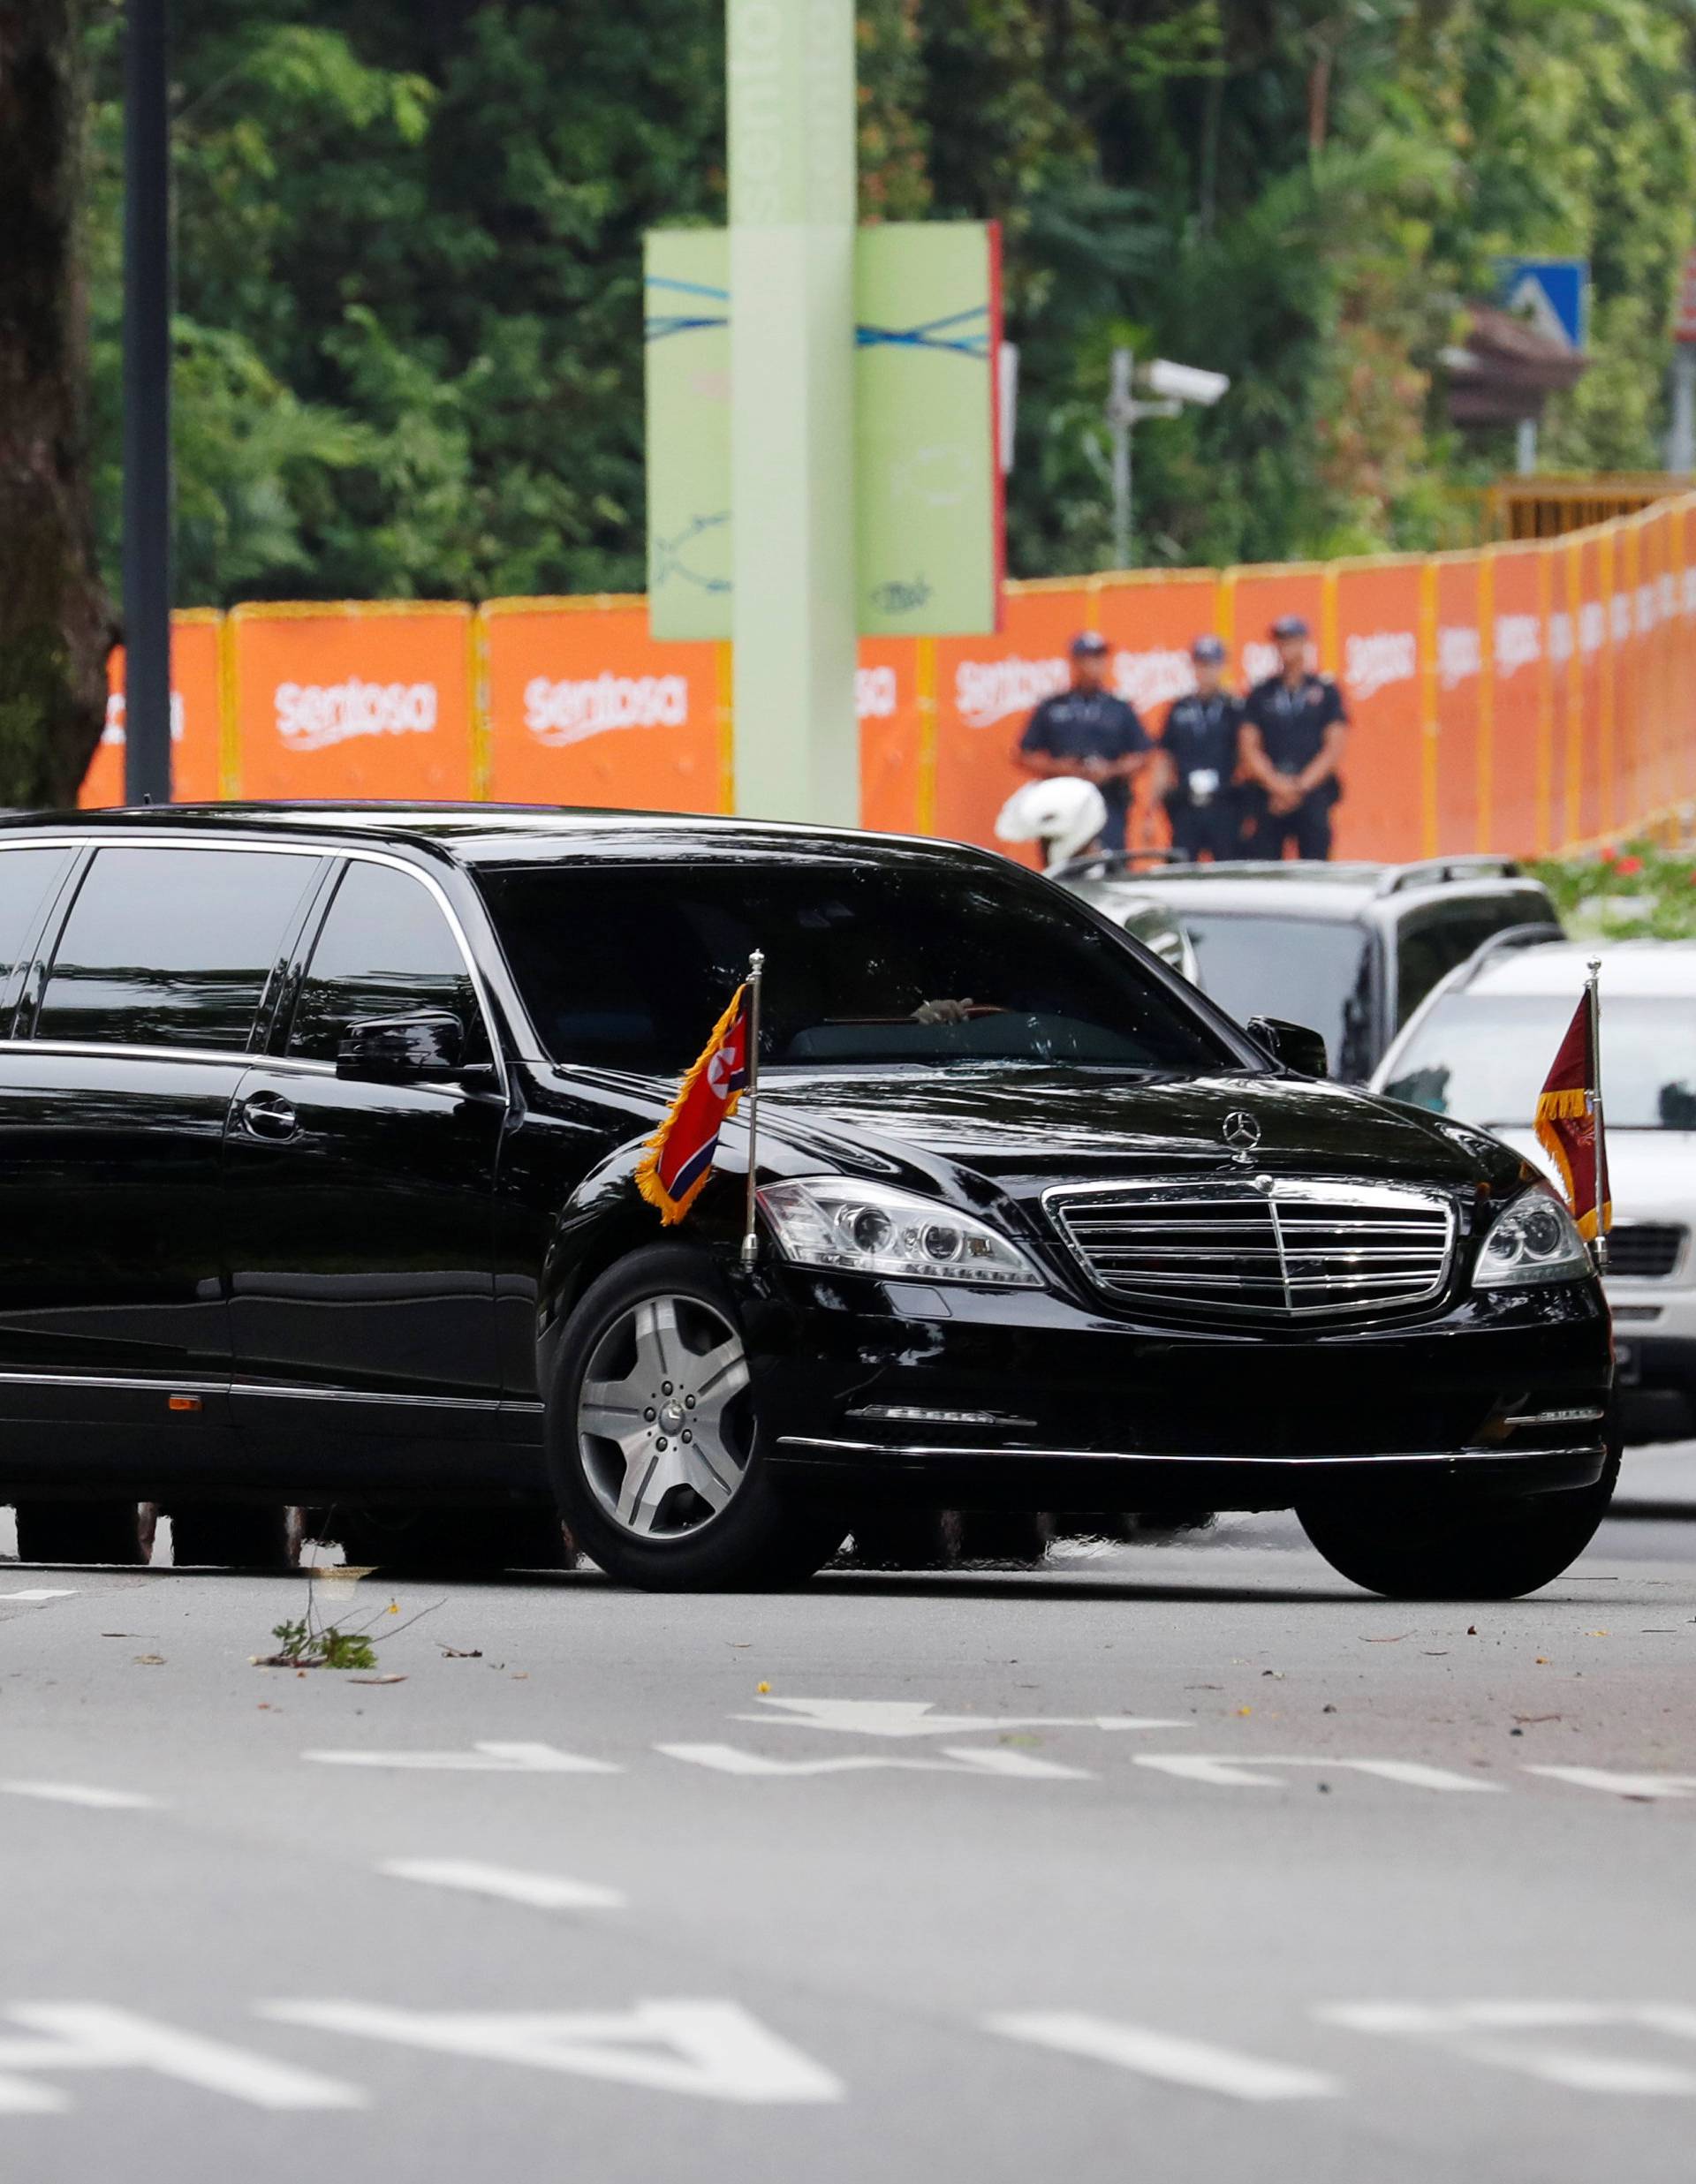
(1286, 1249)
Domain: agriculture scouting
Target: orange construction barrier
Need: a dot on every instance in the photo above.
(1517, 699)
(196, 717)
(354, 700)
(585, 708)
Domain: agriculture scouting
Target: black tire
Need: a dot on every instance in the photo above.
(85, 1532)
(1493, 1551)
(427, 1542)
(675, 1539)
(906, 1538)
(1019, 1536)
(235, 1535)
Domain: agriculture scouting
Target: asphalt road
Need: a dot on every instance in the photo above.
(1179, 1862)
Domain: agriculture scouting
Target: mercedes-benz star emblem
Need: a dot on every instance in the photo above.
(1242, 1133)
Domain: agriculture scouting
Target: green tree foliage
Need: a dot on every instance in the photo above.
(408, 345)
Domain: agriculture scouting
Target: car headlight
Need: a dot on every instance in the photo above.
(868, 1229)
(1534, 1240)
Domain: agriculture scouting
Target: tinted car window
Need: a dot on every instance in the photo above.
(385, 951)
(1311, 971)
(26, 875)
(1483, 1058)
(171, 947)
(1429, 947)
(627, 968)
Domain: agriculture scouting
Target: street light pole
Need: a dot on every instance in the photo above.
(146, 402)
(1121, 415)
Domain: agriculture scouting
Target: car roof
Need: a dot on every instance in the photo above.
(491, 834)
(1665, 968)
(1342, 891)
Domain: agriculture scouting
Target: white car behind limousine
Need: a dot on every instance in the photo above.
(1480, 1048)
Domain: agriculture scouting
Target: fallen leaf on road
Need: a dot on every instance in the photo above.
(1204, 1686)
(1442, 1655)
(1472, 1630)
(762, 1689)
(1543, 1660)
(1397, 1640)
(1597, 1633)
(1537, 1717)
(390, 1678)
(1245, 1709)
(149, 1661)
(454, 1654)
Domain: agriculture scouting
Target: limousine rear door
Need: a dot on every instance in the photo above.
(359, 1208)
(113, 1093)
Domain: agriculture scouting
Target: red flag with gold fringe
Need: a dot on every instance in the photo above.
(674, 1170)
(1569, 1124)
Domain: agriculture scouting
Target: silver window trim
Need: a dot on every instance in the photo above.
(178, 1384)
(334, 853)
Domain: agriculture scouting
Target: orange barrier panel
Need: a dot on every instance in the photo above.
(585, 708)
(1151, 622)
(986, 690)
(353, 700)
(1507, 817)
(897, 730)
(195, 714)
(1460, 669)
(1378, 666)
(1585, 695)
(1515, 699)
(1252, 599)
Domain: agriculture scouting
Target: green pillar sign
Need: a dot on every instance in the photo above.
(792, 168)
(822, 437)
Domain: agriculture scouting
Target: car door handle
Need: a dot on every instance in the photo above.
(263, 1114)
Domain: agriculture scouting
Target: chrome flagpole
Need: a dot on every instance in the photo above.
(750, 1230)
(1599, 1164)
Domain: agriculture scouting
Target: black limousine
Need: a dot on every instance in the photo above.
(319, 1127)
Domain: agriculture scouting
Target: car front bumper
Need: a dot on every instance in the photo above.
(966, 1397)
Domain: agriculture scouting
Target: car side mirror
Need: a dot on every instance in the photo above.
(1296, 1046)
(402, 1050)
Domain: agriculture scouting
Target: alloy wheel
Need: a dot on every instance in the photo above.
(664, 1425)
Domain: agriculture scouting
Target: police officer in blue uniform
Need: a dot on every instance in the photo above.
(1089, 734)
(1295, 726)
(1198, 756)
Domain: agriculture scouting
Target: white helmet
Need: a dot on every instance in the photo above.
(1065, 813)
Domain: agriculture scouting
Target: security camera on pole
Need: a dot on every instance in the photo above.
(1173, 385)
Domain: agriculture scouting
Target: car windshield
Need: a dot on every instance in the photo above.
(888, 962)
(1483, 1059)
(1310, 970)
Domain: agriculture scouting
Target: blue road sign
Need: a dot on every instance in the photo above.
(1553, 292)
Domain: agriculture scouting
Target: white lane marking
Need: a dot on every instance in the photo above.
(959, 1759)
(1236, 1773)
(481, 1759)
(902, 1717)
(43, 1593)
(544, 1892)
(1195, 2063)
(1623, 1785)
(82, 1794)
(712, 2048)
(1475, 2029)
(87, 2035)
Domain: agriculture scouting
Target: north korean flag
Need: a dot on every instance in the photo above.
(675, 1168)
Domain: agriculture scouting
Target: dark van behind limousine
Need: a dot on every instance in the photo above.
(319, 1128)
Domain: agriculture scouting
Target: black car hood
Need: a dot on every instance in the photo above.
(1022, 1131)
